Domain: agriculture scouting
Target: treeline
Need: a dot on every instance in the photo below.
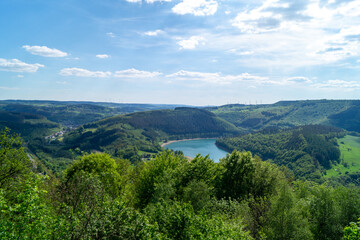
(307, 151)
(76, 113)
(168, 197)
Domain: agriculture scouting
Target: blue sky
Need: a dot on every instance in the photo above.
(196, 52)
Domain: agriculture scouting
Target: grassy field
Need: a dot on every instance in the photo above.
(350, 157)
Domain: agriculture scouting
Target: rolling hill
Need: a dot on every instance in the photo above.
(287, 114)
(75, 113)
(125, 135)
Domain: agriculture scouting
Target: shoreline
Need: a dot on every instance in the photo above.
(173, 141)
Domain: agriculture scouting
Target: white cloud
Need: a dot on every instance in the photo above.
(102, 56)
(110, 34)
(293, 33)
(339, 84)
(298, 80)
(217, 78)
(196, 7)
(191, 43)
(20, 76)
(154, 33)
(15, 65)
(126, 74)
(268, 17)
(134, 73)
(133, 1)
(241, 53)
(44, 51)
(195, 76)
(80, 72)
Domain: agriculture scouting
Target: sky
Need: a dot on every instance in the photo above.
(194, 52)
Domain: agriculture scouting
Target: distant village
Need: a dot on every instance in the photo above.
(58, 135)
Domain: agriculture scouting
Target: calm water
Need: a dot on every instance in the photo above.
(191, 148)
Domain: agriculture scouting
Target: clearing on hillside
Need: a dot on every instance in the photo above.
(350, 157)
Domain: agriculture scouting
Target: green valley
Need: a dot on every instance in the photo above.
(98, 127)
(349, 159)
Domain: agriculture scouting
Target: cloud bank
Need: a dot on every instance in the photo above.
(15, 65)
(44, 51)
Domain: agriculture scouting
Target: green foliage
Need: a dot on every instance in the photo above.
(245, 175)
(13, 160)
(352, 232)
(285, 219)
(237, 179)
(179, 221)
(100, 165)
(155, 178)
(26, 216)
(324, 214)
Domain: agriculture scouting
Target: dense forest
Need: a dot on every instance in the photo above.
(168, 197)
(307, 151)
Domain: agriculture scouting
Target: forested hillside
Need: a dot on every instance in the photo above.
(307, 151)
(74, 113)
(292, 113)
(30, 126)
(68, 115)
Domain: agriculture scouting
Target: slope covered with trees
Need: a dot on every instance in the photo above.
(74, 113)
(286, 114)
(306, 150)
(30, 126)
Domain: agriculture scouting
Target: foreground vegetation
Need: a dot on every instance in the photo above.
(168, 197)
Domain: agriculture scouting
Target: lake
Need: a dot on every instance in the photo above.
(191, 148)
